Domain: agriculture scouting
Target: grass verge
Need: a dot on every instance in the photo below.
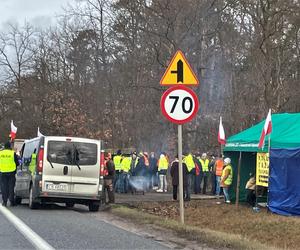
(209, 237)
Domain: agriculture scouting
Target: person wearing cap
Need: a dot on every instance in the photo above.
(8, 166)
(204, 161)
(109, 174)
(226, 179)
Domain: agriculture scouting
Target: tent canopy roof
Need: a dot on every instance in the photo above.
(285, 134)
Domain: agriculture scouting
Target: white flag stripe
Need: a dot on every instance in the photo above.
(13, 128)
(221, 130)
(268, 120)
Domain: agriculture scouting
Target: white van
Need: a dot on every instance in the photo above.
(61, 169)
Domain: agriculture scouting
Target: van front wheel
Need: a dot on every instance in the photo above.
(94, 207)
(32, 203)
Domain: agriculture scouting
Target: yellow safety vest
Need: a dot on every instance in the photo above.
(204, 165)
(7, 161)
(228, 181)
(189, 161)
(125, 164)
(117, 162)
(32, 163)
(163, 163)
(136, 161)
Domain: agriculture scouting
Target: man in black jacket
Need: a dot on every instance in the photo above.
(175, 179)
(109, 174)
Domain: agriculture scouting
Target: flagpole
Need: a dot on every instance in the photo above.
(269, 154)
(237, 194)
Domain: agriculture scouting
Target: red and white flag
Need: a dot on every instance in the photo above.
(221, 134)
(267, 129)
(39, 134)
(13, 131)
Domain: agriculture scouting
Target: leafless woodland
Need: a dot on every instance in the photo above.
(96, 73)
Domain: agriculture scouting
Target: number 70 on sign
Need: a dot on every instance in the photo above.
(179, 104)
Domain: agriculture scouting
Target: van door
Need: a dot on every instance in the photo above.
(24, 173)
(57, 169)
(85, 172)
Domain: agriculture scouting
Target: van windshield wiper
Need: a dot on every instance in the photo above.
(48, 159)
(76, 157)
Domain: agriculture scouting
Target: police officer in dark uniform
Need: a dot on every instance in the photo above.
(8, 165)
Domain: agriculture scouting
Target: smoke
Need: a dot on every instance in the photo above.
(139, 183)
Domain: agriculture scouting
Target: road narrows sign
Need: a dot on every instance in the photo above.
(179, 104)
(179, 71)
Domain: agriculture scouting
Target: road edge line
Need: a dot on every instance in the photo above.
(25, 230)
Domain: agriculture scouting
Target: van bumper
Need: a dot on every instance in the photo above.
(63, 198)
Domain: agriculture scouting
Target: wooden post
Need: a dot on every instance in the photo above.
(237, 194)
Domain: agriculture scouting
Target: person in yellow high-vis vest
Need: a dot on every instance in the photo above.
(32, 163)
(226, 178)
(189, 161)
(163, 165)
(124, 177)
(204, 161)
(117, 161)
(8, 166)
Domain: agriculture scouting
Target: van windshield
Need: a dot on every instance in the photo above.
(72, 153)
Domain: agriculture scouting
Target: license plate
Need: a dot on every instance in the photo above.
(56, 187)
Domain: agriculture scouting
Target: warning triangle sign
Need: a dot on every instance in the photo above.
(179, 72)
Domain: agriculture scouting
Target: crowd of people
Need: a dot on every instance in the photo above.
(202, 173)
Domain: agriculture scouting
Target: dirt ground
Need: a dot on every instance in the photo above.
(263, 226)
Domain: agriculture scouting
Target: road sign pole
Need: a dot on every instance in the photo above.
(181, 206)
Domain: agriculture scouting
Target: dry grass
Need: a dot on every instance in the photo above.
(212, 238)
(264, 227)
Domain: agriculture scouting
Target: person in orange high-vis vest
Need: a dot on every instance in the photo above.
(218, 171)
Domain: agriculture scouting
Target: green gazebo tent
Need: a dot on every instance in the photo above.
(285, 134)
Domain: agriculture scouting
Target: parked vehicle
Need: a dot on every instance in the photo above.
(61, 169)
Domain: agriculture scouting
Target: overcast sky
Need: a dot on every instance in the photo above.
(41, 13)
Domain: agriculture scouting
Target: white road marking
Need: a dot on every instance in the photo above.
(28, 233)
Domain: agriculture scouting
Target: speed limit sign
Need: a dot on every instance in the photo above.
(179, 104)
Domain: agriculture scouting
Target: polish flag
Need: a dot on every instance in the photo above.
(39, 134)
(13, 131)
(267, 129)
(221, 134)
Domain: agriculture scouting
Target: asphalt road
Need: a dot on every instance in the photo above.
(64, 228)
(10, 238)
